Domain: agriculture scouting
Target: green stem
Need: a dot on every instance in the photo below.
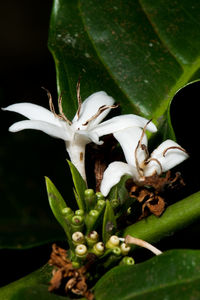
(176, 217)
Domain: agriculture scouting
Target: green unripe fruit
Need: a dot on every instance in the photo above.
(127, 260)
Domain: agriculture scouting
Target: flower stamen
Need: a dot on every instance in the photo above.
(156, 160)
(143, 147)
(174, 147)
(100, 110)
(78, 97)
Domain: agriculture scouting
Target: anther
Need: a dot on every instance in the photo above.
(173, 147)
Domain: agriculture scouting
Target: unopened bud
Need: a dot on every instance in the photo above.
(81, 250)
(127, 260)
(125, 248)
(114, 203)
(79, 212)
(99, 196)
(98, 248)
(90, 199)
(78, 238)
(92, 238)
(112, 242)
(77, 223)
(100, 205)
(116, 251)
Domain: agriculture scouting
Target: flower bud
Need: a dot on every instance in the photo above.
(81, 251)
(127, 260)
(67, 213)
(78, 238)
(79, 212)
(77, 223)
(98, 248)
(125, 248)
(114, 203)
(90, 219)
(100, 205)
(112, 242)
(92, 238)
(90, 199)
(99, 196)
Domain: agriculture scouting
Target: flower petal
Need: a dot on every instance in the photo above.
(167, 156)
(121, 122)
(113, 174)
(50, 129)
(90, 107)
(128, 139)
(34, 112)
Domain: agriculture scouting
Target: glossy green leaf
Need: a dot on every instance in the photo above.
(57, 204)
(109, 222)
(172, 275)
(139, 52)
(32, 287)
(80, 185)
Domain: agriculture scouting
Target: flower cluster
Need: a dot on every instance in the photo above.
(92, 229)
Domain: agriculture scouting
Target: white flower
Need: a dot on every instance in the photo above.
(83, 129)
(139, 164)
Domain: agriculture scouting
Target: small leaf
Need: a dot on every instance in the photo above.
(172, 275)
(57, 204)
(80, 185)
(109, 222)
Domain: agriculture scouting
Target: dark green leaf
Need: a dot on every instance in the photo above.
(109, 222)
(140, 52)
(57, 204)
(172, 275)
(80, 185)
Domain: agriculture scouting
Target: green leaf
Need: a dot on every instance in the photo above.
(57, 204)
(139, 52)
(109, 222)
(32, 287)
(80, 185)
(172, 275)
(176, 217)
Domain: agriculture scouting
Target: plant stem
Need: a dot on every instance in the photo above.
(176, 217)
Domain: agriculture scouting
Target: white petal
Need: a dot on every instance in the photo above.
(90, 107)
(128, 139)
(50, 129)
(172, 158)
(34, 112)
(121, 122)
(113, 174)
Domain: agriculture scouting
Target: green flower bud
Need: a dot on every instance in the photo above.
(100, 205)
(92, 238)
(99, 196)
(79, 212)
(81, 251)
(90, 199)
(114, 203)
(125, 248)
(127, 260)
(78, 238)
(112, 242)
(77, 223)
(98, 249)
(67, 211)
(116, 251)
(90, 219)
